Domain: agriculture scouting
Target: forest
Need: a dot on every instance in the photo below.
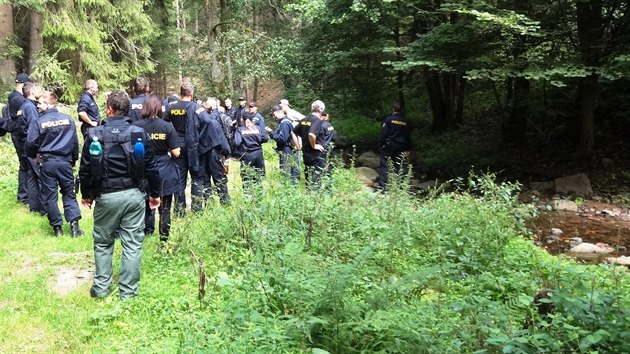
(547, 76)
(500, 94)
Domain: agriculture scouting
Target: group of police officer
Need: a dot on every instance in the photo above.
(205, 134)
(47, 147)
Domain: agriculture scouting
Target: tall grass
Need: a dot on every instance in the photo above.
(283, 270)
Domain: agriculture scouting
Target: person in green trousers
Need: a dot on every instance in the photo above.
(115, 162)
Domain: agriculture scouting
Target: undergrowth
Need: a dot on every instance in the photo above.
(346, 270)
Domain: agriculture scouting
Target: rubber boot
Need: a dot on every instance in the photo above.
(57, 231)
(76, 232)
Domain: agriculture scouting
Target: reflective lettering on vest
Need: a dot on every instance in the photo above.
(305, 123)
(136, 106)
(19, 113)
(399, 122)
(251, 132)
(157, 136)
(55, 123)
(178, 112)
(330, 128)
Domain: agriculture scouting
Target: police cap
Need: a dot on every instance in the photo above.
(22, 78)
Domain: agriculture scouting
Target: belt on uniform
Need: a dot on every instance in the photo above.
(118, 184)
(64, 158)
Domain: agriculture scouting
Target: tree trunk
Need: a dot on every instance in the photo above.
(35, 42)
(436, 100)
(461, 94)
(516, 125)
(7, 65)
(587, 96)
(400, 79)
(215, 71)
(589, 25)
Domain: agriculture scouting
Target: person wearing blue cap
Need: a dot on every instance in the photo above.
(283, 136)
(14, 101)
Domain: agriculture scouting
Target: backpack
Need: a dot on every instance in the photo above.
(5, 126)
(115, 144)
(227, 124)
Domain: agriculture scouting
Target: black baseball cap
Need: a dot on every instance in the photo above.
(276, 108)
(22, 78)
(241, 98)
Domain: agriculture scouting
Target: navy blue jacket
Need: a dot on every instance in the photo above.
(329, 134)
(396, 134)
(186, 117)
(89, 106)
(53, 133)
(25, 115)
(282, 136)
(249, 140)
(16, 100)
(135, 106)
(212, 136)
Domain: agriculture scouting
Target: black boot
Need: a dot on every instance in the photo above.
(76, 232)
(57, 231)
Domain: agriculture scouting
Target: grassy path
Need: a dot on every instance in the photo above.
(36, 318)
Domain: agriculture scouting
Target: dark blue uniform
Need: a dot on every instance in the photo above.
(186, 117)
(214, 149)
(250, 142)
(259, 121)
(89, 106)
(288, 158)
(395, 139)
(27, 115)
(135, 106)
(240, 114)
(314, 160)
(164, 138)
(54, 136)
(329, 134)
(15, 101)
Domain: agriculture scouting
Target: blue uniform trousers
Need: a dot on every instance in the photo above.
(33, 187)
(22, 195)
(314, 166)
(252, 168)
(213, 162)
(58, 172)
(387, 157)
(197, 188)
(290, 165)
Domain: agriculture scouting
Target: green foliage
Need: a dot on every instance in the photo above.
(358, 128)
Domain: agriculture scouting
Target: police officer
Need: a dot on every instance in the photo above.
(250, 139)
(257, 118)
(395, 143)
(241, 111)
(140, 88)
(329, 134)
(120, 204)
(229, 110)
(215, 151)
(26, 116)
(15, 100)
(283, 138)
(54, 136)
(312, 134)
(186, 116)
(87, 109)
(166, 144)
